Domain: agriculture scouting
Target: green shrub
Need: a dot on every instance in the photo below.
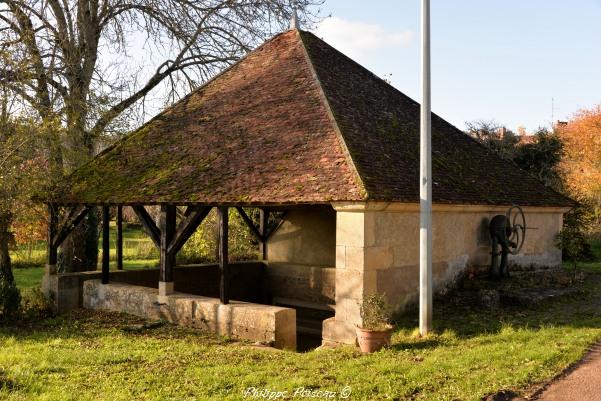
(375, 312)
(202, 245)
(34, 304)
(10, 299)
(574, 246)
(573, 238)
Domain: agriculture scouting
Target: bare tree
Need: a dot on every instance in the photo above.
(71, 60)
(494, 136)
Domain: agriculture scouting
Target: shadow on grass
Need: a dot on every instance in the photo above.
(89, 326)
(472, 320)
(421, 344)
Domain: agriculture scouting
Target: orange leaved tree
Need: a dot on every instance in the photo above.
(581, 163)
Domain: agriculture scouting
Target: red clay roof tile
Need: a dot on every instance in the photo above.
(296, 121)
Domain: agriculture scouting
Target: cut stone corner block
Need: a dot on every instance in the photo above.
(165, 288)
(338, 332)
(50, 285)
(63, 291)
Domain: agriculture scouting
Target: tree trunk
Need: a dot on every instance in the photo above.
(6, 271)
(80, 249)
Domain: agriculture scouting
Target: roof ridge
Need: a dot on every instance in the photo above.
(373, 74)
(332, 118)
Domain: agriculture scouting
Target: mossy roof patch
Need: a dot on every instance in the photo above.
(296, 121)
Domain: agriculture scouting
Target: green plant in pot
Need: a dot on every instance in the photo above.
(376, 330)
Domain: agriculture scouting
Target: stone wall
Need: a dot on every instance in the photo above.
(65, 290)
(246, 284)
(377, 250)
(301, 256)
(310, 284)
(267, 324)
(306, 237)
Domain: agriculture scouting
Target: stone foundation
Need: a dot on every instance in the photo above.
(267, 324)
(311, 284)
(377, 251)
(65, 289)
(334, 332)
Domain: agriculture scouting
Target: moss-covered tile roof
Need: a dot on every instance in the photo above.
(296, 121)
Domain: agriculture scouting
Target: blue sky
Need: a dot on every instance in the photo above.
(491, 59)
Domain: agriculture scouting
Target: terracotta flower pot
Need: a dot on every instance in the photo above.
(373, 340)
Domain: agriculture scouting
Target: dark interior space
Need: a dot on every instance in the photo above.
(246, 280)
(309, 326)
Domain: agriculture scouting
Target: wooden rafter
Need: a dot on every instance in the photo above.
(250, 224)
(194, 216)
(72, 220)
(276, 226)
(68, 216)
(149, 224)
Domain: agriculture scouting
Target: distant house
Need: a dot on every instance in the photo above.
(527, 139)
(296, 126)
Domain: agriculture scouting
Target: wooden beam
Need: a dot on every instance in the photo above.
(167, 230)
(250, 223)
(68, 216)
(263, 221)
(73, 219)
(119, 244)
(275, 227)
(106, 246)
(194, 217)
(52, 251)
(224, 276)
(148, 223)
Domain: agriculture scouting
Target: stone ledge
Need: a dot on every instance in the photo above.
(264, 323)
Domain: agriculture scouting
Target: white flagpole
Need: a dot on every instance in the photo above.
(425, 182)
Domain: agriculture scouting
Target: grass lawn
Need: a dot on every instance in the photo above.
(31, 277)
(96, 356)
(138, 249)
(138, 252)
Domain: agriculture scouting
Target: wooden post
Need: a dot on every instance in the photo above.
(52, 253)
(106, 246)
(263, 219)
(167, 229)
(224, 284)
(119, 237)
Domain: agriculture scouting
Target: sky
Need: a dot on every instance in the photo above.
(491, 60)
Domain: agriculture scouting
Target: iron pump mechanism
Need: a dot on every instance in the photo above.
(507, 231)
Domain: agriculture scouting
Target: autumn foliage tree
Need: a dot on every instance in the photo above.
(581, 162)
(22, 167)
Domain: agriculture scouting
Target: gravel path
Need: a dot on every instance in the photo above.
(582, 383)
